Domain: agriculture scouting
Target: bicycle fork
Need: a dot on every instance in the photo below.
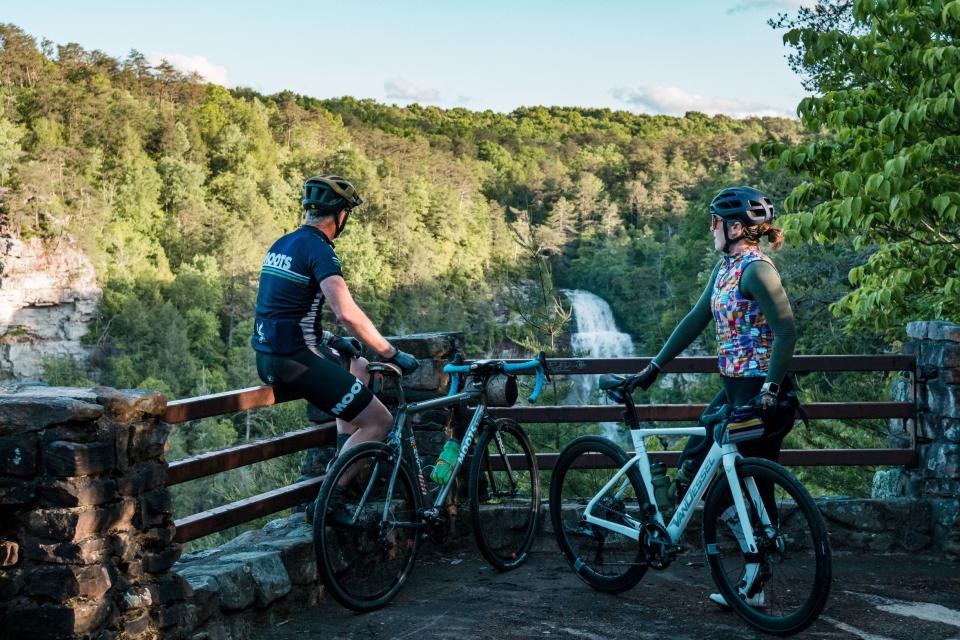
(754, 562)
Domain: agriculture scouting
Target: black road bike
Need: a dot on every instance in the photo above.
(376, 504)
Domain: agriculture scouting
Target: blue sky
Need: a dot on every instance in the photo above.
(643, 55)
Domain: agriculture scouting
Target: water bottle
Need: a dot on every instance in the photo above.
(658, 473)
(448, 458)
(682, 480)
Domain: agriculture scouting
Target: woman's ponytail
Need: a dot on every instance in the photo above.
(774, 236)
(766, 230)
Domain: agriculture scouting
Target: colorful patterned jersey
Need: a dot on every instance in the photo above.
(744, 339)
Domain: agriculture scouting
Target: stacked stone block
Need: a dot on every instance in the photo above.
(86, 522)
(937, 477)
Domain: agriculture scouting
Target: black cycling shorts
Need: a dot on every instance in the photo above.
(320, 381)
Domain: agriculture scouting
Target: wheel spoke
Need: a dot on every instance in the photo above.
(783, 589)
(504, 497)
(604, 559)
(365, 564)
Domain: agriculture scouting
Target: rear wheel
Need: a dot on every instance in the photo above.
(783, 587)
(606, 560)
(363, 558)
(504, 494)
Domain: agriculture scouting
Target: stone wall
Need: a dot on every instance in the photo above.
(86, 523)
(48, 297)
(936, 479)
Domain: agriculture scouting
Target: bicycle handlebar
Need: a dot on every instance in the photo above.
(539, 364)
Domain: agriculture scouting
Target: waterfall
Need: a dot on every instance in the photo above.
(596, 336)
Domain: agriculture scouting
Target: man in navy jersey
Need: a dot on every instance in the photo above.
(300, 273)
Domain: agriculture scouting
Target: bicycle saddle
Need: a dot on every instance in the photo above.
(610, 381)
(385, 368)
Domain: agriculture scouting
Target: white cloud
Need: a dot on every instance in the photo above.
(782, 5)
(211, 72)
(399, 89)
(673, 100)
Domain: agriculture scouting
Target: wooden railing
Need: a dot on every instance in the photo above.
(220, 518)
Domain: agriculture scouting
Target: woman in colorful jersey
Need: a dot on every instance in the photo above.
(755, 329)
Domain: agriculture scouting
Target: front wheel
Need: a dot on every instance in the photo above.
(365, 534)
(606, 560)
(783, 587)
(504, 494)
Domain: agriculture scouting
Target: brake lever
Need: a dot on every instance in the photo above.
(542, 357)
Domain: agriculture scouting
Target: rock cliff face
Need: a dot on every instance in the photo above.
(48, 296)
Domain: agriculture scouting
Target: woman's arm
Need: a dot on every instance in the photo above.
(761, 282)
(690, 327)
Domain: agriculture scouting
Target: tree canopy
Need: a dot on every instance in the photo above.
(885, 170)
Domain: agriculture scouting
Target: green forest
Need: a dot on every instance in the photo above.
(474, 220)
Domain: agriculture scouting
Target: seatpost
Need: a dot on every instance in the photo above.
(630, 414)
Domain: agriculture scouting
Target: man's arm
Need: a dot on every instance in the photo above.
(352, 316)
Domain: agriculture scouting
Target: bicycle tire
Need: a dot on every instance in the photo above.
(504, 504)
(362, 566)
(605, 560)
(793, 554)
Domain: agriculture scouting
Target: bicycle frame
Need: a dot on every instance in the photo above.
(469, 434)
(396, 435)
(727, 455)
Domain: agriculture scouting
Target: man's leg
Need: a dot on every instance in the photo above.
(358, 368)
(370, 425)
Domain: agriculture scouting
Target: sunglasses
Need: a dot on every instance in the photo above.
(715, 222)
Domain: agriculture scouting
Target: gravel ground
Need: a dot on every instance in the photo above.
(457, 595)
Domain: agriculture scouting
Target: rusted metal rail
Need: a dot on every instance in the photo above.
(679, 412)
(226, 516)
(208, 464)
(230, 515)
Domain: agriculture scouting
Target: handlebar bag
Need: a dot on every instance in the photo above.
(744, 424)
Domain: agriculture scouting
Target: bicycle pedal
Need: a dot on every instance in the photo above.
(583, 530)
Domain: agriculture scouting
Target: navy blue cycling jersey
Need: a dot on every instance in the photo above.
(289, 299)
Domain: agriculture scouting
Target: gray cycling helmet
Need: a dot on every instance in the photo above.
(330, 194)
(746, 205)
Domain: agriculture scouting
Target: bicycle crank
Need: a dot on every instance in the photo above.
(656, 547)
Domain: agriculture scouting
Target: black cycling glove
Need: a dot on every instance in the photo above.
(346, 346)
(407, 363)
(647, 377)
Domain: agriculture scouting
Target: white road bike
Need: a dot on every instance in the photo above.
(765, 540)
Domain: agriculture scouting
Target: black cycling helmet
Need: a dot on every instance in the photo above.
(746, 205)
(330, 194)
